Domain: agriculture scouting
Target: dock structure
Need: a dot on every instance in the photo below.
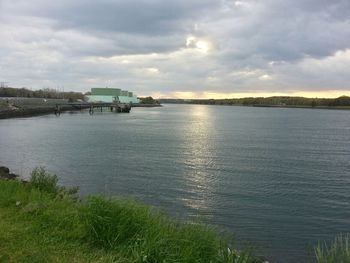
(116, 100)
(113, 107)
(92, 106)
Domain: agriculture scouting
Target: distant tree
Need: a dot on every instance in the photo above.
(313, 103)
(148, 100)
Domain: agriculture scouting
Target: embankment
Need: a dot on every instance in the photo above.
(30, 111)
(27, 107)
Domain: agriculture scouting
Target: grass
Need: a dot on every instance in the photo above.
(41, 222)
(145, 235)
(36, 226)
(337, 252)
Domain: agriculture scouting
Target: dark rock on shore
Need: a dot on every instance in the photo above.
(4, 169)
(5, 174)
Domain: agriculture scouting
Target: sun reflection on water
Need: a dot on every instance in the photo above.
(199, 139)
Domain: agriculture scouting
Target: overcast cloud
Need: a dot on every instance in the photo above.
(180, 48)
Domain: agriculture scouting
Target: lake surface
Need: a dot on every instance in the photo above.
(278, 178)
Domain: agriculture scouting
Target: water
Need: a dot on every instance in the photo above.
(278, 178)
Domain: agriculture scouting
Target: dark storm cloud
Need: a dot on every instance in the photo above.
(145, 17)
(133, 17)
(135, 26)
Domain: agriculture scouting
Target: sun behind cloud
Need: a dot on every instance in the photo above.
(200, 45)
(203, 46)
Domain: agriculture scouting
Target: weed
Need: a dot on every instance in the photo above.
(337, 252)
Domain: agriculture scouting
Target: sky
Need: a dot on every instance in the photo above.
(179, 48)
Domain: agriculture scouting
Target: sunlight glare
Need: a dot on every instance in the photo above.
(203, 46)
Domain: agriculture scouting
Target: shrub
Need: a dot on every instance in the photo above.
(44, 181)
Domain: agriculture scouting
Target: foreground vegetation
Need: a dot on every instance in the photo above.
(338, 251)
(42, 222)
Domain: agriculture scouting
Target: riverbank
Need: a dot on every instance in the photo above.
(28, 107)
(269, 106)
(14, 112)
(30, 112)
(340, 103)
(302, 107)
(42, 222)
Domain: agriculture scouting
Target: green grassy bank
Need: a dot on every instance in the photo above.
(42, 222)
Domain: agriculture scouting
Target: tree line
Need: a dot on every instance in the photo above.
(148, 100)
(269, 101)
(42, 93)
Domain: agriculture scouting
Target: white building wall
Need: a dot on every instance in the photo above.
(127, 99)
(110, 99)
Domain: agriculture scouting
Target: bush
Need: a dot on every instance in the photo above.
(44, 181)
(337, 252)
(148, 100)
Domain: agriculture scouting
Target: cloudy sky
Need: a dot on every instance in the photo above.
(178, 48)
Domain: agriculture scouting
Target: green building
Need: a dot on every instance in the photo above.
(112, 95)
(105, 92)
(124, 93)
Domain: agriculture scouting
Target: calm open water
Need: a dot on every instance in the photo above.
(278, 178)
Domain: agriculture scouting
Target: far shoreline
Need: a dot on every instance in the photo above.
(342, 102)
(41, 111)
(268, 106)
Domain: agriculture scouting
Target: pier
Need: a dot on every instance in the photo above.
(111, 106)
